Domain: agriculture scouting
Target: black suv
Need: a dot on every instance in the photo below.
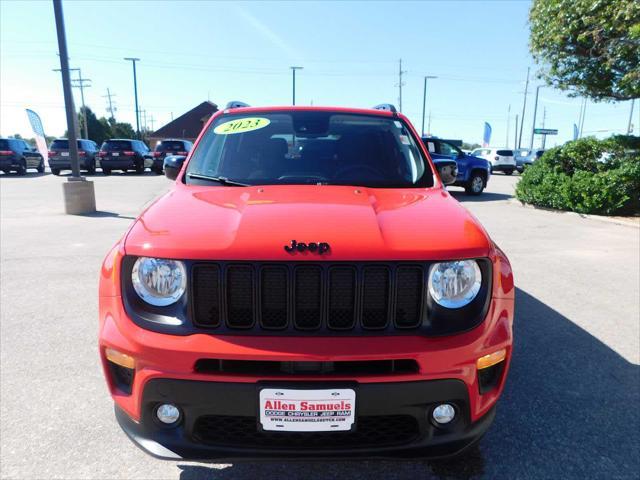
(169, 147)
(18, 155)
(124, 154)
(59, 158)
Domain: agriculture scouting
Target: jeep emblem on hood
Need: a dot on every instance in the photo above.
(313, 247)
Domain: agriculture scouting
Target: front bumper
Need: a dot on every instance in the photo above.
(234, 433)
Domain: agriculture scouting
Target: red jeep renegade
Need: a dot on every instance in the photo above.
(307, 288)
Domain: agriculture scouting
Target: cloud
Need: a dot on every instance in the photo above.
(267, 32)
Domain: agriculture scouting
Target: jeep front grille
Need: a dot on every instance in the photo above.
(299, 297)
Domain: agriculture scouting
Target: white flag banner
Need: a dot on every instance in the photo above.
(38, 130)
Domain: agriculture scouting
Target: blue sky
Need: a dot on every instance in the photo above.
(191, 51)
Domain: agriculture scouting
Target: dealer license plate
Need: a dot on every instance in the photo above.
(64, 154)
(285, 410)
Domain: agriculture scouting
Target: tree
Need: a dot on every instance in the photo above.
(122, 130)
(590, 48)
(98, 130)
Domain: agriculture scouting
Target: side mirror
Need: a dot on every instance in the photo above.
(448, 171)
(172, 166)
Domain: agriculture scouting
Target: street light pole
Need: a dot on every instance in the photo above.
(535, 112)
(135, 92)
(524, 107)
(633, 101)
(424, 99)
(293, 70)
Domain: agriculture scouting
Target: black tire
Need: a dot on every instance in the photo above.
(41, 167)
(22, 169)
(91, 169)
(55, 171)
(106, 171)
(140, 168)
(508, 172)
(476, 184)
(157, 170)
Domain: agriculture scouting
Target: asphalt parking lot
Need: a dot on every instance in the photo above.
(570, 409)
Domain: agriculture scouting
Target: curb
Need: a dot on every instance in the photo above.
(633, 222)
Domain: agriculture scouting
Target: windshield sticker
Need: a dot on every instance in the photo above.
(241, 125)
(405, 140)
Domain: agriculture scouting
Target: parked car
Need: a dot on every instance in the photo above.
(59, 155)
(526, 157)
(169, 147)
(502, 160)
(17, 155)
(473, 172)
(306, 288)
(124, 154)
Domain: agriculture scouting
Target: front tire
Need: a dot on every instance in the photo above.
(41, 167)
(476, 184)
(508, 172)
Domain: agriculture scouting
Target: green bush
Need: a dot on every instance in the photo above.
(575, 177)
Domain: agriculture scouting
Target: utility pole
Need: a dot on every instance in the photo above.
(424, 99)
(79, 194)
(515, 140)
(506, 144)
(429, 125)
(630, 125)
(111, 108)
(584, 114)
(524, 107)
(151, 120)
(144, 119)
(544, 119)
(135, 92)
(400, 84)
(81, 85)
(535, 112)
(293, 71)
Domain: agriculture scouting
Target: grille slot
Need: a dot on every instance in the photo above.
(274, 287)
(342, 296)
(240, 296)
(409, 294)
(206, 295)
(308, 297)
(375, 304)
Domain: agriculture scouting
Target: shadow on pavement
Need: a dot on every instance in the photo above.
(485, 196)
(569, 410)
(29, 174)
(103, 214)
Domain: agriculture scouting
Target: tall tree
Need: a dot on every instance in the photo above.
(97, 129)
(590, 48)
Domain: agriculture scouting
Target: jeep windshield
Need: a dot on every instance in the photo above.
(309, 148)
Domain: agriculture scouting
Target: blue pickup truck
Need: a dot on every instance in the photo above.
(473, 172)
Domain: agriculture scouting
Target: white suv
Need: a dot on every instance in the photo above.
(501, 160)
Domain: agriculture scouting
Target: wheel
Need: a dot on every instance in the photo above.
(41, 167)
(140, 168)
(55, 171)
(508, 172)
(106, 171)
(476, 184)
(91, 169)
(22, 169)
(157, 170)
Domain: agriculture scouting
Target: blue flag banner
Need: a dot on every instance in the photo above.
(38, 130)
(486, 138)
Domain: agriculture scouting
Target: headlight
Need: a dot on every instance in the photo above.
(454, 284)
(159, 281)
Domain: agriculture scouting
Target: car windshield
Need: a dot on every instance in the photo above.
(170, 146)
(116, 145)
(310, 147)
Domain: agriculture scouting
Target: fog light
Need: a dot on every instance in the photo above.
(168, 413)
(444, 413)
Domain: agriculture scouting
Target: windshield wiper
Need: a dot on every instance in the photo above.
(221, 180)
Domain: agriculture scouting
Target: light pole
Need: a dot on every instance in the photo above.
(424, 99)
(293, 70)
(633, 101)
(524, 108)
(79, 195)
(135, 92)
(535, 112)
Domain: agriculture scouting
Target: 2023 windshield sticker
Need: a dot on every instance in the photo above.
(241, 125)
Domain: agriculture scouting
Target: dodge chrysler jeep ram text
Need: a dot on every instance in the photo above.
(307, 288)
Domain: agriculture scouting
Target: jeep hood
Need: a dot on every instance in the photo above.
(255, 223)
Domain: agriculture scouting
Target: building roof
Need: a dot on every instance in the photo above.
(189, 124)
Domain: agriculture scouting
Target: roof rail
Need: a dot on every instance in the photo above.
(236, 104)
(387, 107)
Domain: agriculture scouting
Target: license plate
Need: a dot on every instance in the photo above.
(285, 410)
(115, 154)
(64, 154)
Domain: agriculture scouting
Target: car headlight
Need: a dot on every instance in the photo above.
(159, 281)
(454, 284)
